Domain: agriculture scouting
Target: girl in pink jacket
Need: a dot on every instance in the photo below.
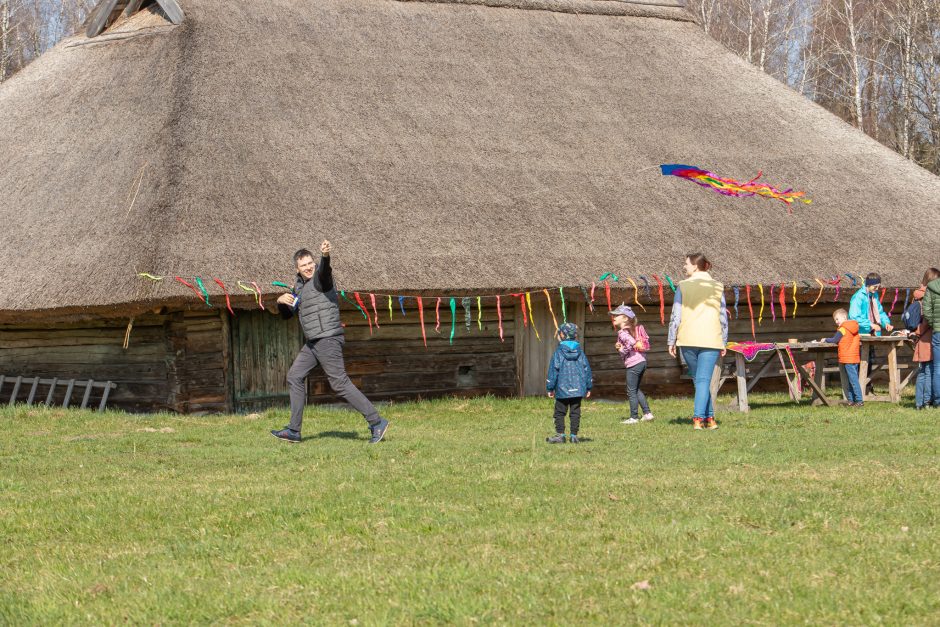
(632, 344)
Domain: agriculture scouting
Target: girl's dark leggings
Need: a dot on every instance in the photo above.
(634, 378)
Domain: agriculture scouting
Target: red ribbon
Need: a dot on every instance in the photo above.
(228, 303)
(362, 306)
(783, 300)
(593, 285)
(607, 293)
(894, 302)
(750, 309)
(882, 297)
(499, 315)
(190, 286)
(662, 302)
(421, 317)
(838, 283)
(525, 317)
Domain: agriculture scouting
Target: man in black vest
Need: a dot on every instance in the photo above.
(317, 306)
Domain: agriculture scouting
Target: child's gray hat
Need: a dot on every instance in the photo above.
(623, 310)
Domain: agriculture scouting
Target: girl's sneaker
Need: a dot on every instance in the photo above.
(630, 421)
(574, 439)
(711, 424)
(558, 438)
(698, 424)
(647, 417)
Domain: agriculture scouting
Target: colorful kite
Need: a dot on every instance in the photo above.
(731, 187)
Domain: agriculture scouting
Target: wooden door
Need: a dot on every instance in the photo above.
(534, 352)
(263, 348)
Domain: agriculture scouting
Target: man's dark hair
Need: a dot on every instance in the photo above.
(873, 276)
(300, 254)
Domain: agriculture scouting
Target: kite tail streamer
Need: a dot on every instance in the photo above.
(528, 301)
(550, 310)
(499, 317)
(895, 301)
(145, 275)
(401, 303)
(202, 288)
(819, 295)
(389, 308)
(479, 314)
(437, 316)
(587, 298)
(564, 309)
(424, 335)
(737, 296)
(467, 303)
(760, 316)
(662, 301)
(362, 308)
(783, 300)
(795, 304)
(453, 319)
(228, 301)
(636, 294)
(375, 313)
(773, 312)
(750, 309)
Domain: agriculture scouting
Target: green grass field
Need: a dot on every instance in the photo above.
(786, 515)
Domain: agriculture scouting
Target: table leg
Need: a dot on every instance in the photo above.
(820, 395)
(863, 368)
(716, 380)
(894, 375)
(741, 375)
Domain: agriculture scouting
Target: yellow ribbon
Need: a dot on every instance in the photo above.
(795, 305)
(818, 296)
(760, 316)
(552, 311)
(528, 301)
(479, 314)
(636, 294)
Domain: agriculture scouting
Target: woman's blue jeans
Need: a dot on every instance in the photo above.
(935, 347)
(924, 388)
(702, 363)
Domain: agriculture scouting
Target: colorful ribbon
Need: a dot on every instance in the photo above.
(375, 313)
(190, 286)
(593, 285)
(897, 293)
(202, 288)
(525, 317)
(550, 310)
(528, 301)
(607, 293)
(819, 295)
(672, 285)
(499, 317)
(636, 295)
(228, 301)
(564, 310)
(587, 298)
(437, 316)
(281, 284)
(750, 309)
(401, 303)
(837, 282)
(258, 292)
(389, 308)
(344, 297)
(737, 296)
(907, 296)
(783, 300)
(479, 314)
(467, 303)
(453, 319)
(646, 286)
(362, 308)
(760, 316)
(662, 301)
(147, 275)
(773, 312)
(795, 304)
(424, 335)
(253, 292)
(882, 297)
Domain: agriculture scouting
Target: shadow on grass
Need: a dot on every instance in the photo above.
(681, 421)
(342, 435)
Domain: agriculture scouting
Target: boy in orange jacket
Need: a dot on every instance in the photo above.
(849, 342)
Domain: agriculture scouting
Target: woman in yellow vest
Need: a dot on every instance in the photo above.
(699, 326)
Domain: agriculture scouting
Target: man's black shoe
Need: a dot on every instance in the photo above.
(287, 434)
(378, 431)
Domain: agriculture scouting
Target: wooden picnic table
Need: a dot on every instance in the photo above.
(817, 379)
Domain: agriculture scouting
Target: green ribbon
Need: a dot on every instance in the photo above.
(609, 275)
(342, 293)
(281, 284)
(453, 319)
(564, 313)
(202, 288)
(672, 285)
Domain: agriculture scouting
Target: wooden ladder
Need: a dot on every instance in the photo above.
(70, 385)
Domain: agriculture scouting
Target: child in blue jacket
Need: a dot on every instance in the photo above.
(569, 380)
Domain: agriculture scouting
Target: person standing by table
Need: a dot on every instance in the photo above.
(865, 308)
(849, 342)
(932, 317)
(698, 325)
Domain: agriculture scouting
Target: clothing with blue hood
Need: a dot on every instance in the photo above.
(865, 308)
(569, 374)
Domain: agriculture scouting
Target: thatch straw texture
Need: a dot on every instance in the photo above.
(439, 145)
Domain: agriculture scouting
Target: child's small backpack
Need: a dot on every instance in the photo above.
(913, 315)
(642, 336)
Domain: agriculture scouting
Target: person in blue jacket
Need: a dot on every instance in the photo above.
(569, 380)
(865, 308)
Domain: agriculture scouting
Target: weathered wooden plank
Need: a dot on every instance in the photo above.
(68, 393)
(32, 391)
(88, 388)
(51, 392)
(172, 10)
(104, 395)
(100, 17)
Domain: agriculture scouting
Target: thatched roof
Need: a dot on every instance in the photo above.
(439, 145)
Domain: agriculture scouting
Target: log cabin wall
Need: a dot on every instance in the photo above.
(173, 362)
